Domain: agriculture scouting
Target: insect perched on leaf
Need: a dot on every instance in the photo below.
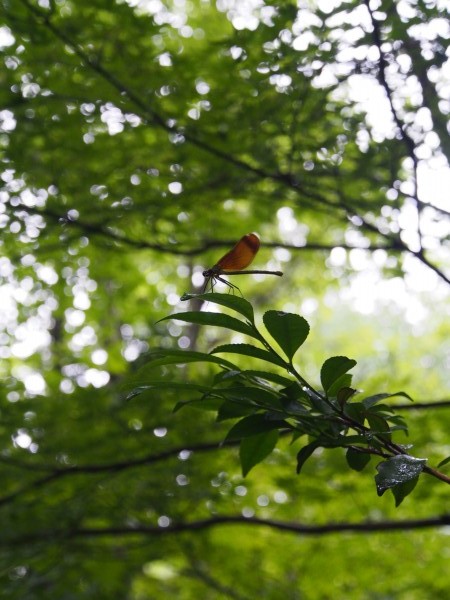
(235, 261)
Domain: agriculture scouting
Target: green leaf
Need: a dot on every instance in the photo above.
(291, 400)
(333, 368)
(304, 454)
(267, 375)
(357, 460)
(249, 350)
(382, 409)
(214, 319)
(319, 405)
(296, 409)
(356, 411)
(351, 439)
(208, 403)
(253, 425)
(227, 377)
(165, 385)
(236, 303)
(233, 410)
(371, 400)
(444, 462)
(396, 470)
(161, 358)
(256, 448)
(344, 394)
(344, 381)
(257, 396)
(402, 490)
(378, 426)
(399, 423)
(294, 391)
(287, 329)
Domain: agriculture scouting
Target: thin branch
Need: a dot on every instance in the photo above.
(438, 474)
(382, 68)
(26, 488)
(204, 524)
(198, 573)
(406, 138)
(101, 230)
(420, 256)
(422, 405)
(397, 242)
(393, 244)
(115, 467)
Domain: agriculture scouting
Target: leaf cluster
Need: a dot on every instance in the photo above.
(269, 403)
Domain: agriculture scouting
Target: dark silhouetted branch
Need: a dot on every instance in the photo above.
(47, 536)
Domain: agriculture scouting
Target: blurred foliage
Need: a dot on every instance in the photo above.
(138, 141)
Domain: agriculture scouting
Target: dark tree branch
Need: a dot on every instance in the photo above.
(54, 474)
(96, 229)
(401, 126)
(396, 241)
(422, 405)
(421, 256)
(115, 467)
(203, 524)
(392, 244)
(382, 68)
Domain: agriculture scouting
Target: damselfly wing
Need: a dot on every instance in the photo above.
(235, 261)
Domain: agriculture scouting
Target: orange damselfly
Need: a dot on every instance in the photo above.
(235, 261)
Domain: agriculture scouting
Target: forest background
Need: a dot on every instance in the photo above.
(139, 141)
